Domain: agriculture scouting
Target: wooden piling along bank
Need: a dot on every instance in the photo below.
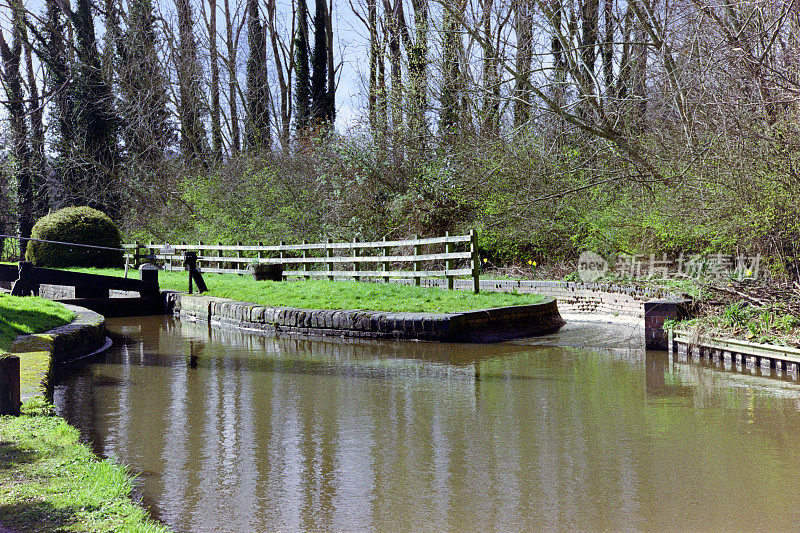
(418, 258)
(683, 343)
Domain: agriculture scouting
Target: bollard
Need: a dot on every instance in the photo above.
(148, 273)
(25, 284)
(9, 385)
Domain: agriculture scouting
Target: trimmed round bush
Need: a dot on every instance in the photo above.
(81, 225)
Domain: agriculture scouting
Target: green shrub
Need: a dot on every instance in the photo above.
(82, 225)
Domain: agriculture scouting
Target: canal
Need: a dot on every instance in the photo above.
(584, 429)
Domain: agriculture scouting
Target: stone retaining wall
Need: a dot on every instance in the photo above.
(490, 325)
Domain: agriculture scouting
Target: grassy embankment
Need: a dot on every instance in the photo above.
(325, 294)
(49, 481)
(52, 482)
(25, 316)
(28, 315)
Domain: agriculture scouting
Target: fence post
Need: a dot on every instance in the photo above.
(305, 265)
(220, 263)
(417, 279)
(9, 385)
(199, 252)
(260, 252)
(328, 256)
(476, 261)
(183, 243)
(137, 254)
(385, 263)
(448, 264)
(240, 255)
(356, 266)
(167, 256)
(281, 254)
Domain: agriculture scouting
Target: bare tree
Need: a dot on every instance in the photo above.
(283, 54)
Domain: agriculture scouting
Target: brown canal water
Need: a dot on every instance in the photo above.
(231, 431)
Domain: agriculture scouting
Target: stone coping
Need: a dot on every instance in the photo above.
(82, 336)
(487, 325)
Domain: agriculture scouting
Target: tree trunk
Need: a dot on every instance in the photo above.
(608, 46)
(331, 102)
(190, 107)
(283, 66)
(258, 123)
(491, 86)
(319, 64)
(216, 128)
(35, 112)
(374, 56)
(522, 87)
(396, 75)
(12, 82)
(232, 45)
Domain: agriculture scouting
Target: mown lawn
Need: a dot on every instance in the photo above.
(25, 315)
(325, 294)
(49, 481)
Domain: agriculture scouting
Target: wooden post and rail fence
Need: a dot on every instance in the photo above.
(415, 258)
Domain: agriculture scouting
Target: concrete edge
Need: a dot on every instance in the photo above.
(487, 325)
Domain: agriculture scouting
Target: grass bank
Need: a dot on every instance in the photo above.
(27, 315)
(323, 294)
(52, 482)
(49, 481)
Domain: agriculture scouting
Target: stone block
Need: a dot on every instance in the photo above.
(257, 314)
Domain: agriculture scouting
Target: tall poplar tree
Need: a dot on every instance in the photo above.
(321, 111)
(450, 116)
(93, 150)
(54, 58)
(216, 126)
(14, 102)
(143, 92)
(194, 144)
(301, 65)
(258, 123)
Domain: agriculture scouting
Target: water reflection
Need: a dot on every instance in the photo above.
(238, 432)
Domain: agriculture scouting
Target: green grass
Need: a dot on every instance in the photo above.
(49, 481)
(25, 315)
(339, 294)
